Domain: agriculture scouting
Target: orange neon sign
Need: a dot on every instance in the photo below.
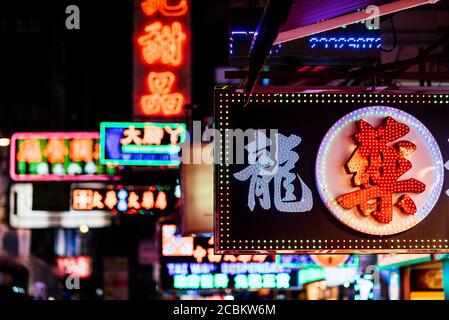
(150, 7)
(131, 202)
(163, 44)
(160, 101)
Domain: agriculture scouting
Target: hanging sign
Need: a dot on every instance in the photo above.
(332, 171)
(56, 156)
(141, 144)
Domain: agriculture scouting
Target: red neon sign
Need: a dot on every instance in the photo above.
(150, 7)
(162, 48)
(377, 168)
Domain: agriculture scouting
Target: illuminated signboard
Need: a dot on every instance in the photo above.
(399, 260)
(346, 171)
(73, 266)
(42, 206)
(144, 200)
(161, 58)
(355, 43)
(141, 144)
(317, 261)
(190, 263)
(56, 156)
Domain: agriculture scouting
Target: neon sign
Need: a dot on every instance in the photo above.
(190, 263)
(124, 199)
(55, 156)
(147, 144)
(333, 159)
(304, 261)
(241, 281)
(74, 266)
(161, 85)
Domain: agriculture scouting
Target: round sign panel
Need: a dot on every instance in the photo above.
(379, 170)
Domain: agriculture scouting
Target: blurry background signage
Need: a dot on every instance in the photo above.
(47, 205)
(198, 196)
(145, 144)
(197, 267)
(297, 199)
(398, 260)
(317, 261)
(73, 266)
(161, 58)
(53, 156)
(124, 199)
(356, 42)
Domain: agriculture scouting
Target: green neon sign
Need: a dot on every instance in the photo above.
(141, 143)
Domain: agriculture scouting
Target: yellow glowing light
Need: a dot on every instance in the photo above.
(5, 142)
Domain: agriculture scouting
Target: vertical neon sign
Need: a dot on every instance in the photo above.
(161, 58)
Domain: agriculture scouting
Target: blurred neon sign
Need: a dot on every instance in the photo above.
(241, 281)
(56, 156)
(163, 45)
(124, 199)
(74, 266)
(148, 144)
(175, 245)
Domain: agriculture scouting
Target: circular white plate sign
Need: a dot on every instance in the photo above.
(379, 170)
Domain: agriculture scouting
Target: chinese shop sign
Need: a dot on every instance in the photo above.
(318, 261)
(161, 58)
(197, 267)
(55, 156)
(151, 200)
(141, 144)
(332, 170)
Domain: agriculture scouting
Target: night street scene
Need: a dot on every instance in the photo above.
(241, 151)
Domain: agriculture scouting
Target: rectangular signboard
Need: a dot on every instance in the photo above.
(141, 143)
(336, 171)
(119, 199)
(195, 266)
(162, 58)
(35, 206)
(56, 156)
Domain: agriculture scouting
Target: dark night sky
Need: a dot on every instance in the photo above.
(52, 78)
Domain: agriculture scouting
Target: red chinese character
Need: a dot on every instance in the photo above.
(30, 151)
(161, 101)
(55, 151)
(162, 43)
(81, 150)
(377, 167)
(150, 7)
